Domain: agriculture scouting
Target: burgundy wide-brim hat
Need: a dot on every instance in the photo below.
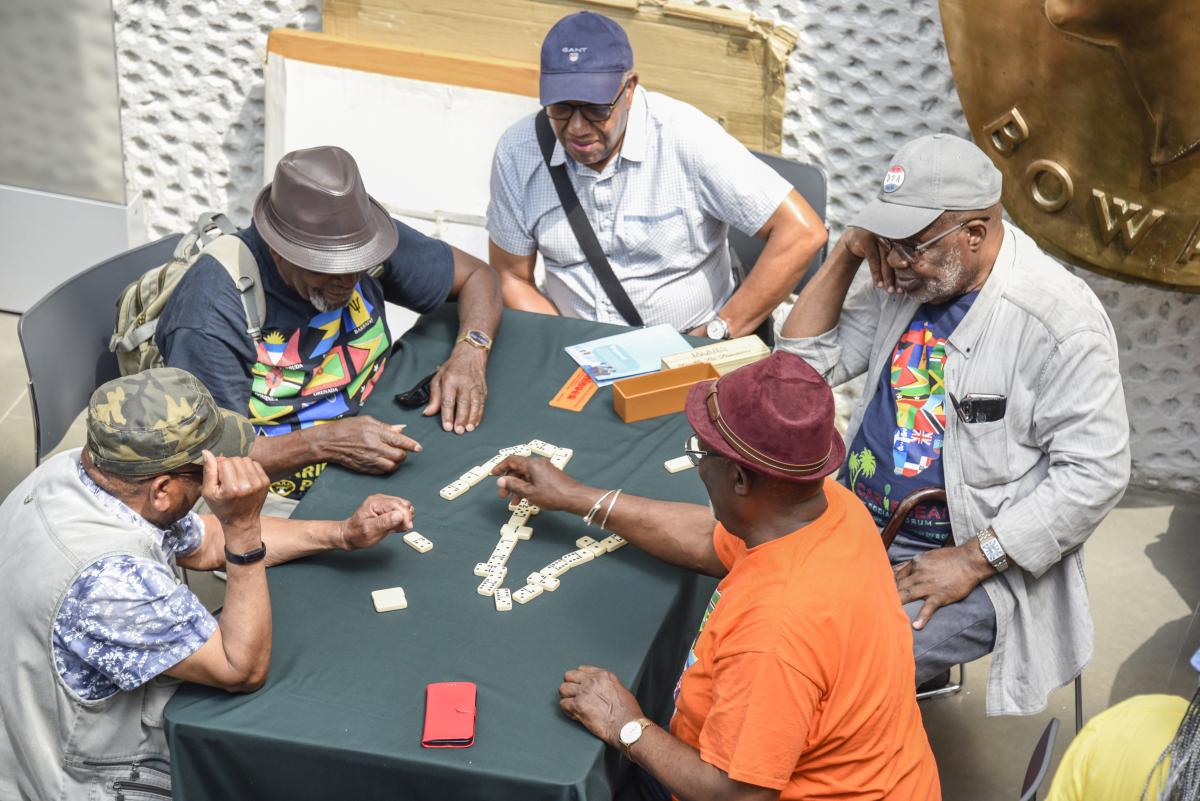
(774, 417)
(317, 214)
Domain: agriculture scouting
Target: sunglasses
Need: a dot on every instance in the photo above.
(592, 112)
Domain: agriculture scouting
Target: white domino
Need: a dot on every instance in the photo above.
(474, 475)
(520, 507)
(389, 600)
(584, 554)
(555, 568)
(490, 464)
(561, 457)
(503, 600)
(584, 542)
(541, 447)
(518, 519)
(490, 584)
(612, 542)
(678, 464)
(547, 583)
(597, 549)
(482, 569)
(516, 450)
(527, 593)
(532, 510)
(418, 542)
(454, 489)
(534, 578)
(520, 532)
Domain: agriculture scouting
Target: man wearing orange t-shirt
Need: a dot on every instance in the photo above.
(799, 683)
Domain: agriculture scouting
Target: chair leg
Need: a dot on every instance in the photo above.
(954, 688)
(1078, 703)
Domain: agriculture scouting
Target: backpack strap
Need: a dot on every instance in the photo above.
(584, 235)
(238, 260)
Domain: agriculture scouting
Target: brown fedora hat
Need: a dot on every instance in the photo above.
(774, 417)
(317, 214)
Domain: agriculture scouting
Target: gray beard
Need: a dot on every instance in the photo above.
(318, 300)
(947, 285)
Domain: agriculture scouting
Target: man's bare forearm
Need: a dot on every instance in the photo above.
(479, 301)
(819, 306)
(679, 767)
(524, 296)
(676, 533)
(282, 455)
(285, 539)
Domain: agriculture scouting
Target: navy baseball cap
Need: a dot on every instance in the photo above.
(584, 58)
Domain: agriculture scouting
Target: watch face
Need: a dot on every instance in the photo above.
(630, 732)
(717, 329)
(479, 338)
(992, 550)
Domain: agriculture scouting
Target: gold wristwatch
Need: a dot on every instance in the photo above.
(475, 337)
(631, 732)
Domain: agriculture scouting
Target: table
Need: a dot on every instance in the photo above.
(342, 711)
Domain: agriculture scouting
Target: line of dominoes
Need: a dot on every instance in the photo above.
(559, 457)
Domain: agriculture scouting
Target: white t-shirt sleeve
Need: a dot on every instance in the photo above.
(505, 217)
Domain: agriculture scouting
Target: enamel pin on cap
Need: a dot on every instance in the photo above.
(894, 179)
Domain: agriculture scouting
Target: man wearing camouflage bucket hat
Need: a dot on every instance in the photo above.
(88, 543)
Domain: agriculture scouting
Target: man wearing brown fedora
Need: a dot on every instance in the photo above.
(316, 236)
(800, 681)
(994, 393)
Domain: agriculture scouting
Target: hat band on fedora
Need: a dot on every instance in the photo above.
(752, 454)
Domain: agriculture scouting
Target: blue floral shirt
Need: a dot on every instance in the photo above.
(127, 619)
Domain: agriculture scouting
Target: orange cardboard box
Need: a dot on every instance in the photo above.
(664, 392)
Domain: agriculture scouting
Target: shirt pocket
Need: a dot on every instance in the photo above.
(983, 452)
(664, 239)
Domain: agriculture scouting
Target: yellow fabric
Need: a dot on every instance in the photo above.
(1115, 752)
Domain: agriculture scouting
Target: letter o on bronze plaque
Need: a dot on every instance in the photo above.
(1059, 199)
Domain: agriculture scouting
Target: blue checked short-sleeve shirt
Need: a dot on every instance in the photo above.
(661, 210)
(127, 619)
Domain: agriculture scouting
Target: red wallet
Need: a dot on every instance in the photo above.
(449, 715)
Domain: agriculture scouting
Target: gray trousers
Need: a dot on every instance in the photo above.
(958, 633)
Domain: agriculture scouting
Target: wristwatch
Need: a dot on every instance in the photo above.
(631, 732)
(475, 337)
(248, 558)
(718, 328)
(993, 551)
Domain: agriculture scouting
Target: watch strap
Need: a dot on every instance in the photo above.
(248, 558)
(645, 724)
(988, 542)
(465, 336)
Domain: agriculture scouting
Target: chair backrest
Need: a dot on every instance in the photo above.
(809, 181)
(1039, 763)
(64, 337)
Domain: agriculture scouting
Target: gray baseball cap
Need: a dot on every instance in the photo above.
(928, 176)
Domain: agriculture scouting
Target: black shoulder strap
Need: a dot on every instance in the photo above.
(581, 227)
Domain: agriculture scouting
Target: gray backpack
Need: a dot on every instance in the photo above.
(140, 304)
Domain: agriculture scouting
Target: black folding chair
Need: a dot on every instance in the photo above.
(806, 179)
(1039, 763)
(64, 338)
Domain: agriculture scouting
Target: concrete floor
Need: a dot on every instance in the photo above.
(1143, 572)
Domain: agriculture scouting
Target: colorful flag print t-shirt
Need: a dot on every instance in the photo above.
(898, 449)
(311, 366)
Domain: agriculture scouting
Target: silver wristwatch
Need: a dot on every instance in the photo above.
(717, 328)
(993, 551)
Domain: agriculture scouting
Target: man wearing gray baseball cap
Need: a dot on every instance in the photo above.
(991, 432)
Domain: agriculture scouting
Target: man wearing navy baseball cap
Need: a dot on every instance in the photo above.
(991, 437)
(658, 185)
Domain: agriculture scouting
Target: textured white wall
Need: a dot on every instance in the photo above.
(865, 77)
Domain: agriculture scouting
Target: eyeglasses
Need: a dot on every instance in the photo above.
(912, 253)
(691, 449)
(592, 112)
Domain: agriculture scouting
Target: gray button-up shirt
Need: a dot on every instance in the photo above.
(1044, 476)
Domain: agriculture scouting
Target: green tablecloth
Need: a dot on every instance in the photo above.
(342, 712)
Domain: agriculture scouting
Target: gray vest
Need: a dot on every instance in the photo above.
(54, 745)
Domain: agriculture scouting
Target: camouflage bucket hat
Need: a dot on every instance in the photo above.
(159, 420)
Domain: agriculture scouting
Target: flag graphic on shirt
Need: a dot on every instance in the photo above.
(918, 369)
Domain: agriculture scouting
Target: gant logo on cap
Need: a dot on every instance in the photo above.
(894, 179)
(573, 53)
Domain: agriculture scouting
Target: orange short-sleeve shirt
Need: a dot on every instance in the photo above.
(801, 678)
